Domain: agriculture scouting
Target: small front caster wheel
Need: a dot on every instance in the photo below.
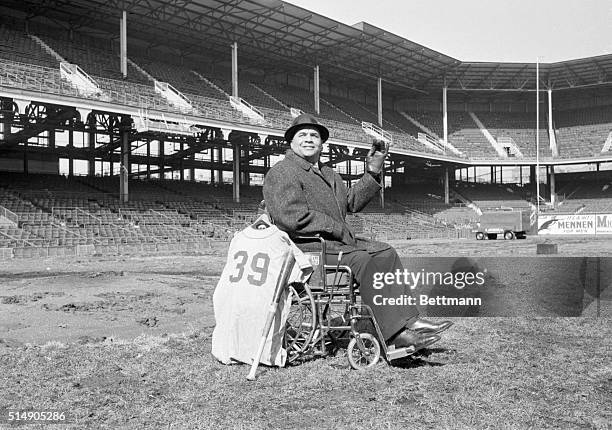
(366, 355)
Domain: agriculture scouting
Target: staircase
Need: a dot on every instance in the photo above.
(429, 142)
(47, 48)
(141, 70)
(508, 142)
(261, 90)
(212, 84)
(419, 125)
(608, 143)
(468, 203)
(498, 148)
(330, 104)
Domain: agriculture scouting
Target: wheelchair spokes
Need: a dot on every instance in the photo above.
(327, 317)
(363, 351)
(301, 322)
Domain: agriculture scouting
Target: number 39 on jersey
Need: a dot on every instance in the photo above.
(254, 267)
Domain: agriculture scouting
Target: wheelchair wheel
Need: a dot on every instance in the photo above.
(301, 322)
(361, 360)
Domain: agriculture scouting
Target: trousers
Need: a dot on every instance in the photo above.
(365, 265)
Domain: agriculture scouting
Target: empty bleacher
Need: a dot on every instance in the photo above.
(34, 78)
(54, 211)
(401, 226)
(413, 211)
(493, 196)
(16, 46)
(520, 127)
(180, 77)
(96, 57)
(585, 196)
(582, 132)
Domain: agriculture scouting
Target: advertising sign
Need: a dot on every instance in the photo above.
(603, 224)
(566, 224)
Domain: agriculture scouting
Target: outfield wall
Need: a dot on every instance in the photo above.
(576, 224)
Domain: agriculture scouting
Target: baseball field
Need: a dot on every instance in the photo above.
(124, 341)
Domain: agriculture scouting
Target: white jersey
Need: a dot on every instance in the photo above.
(245, 290)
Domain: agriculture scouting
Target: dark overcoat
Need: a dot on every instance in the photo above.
(303, 202)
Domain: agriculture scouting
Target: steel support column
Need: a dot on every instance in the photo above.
(212, 163)
(220, 166)
(192, 169)
(111, 136)
(446, 186)
(380, 103)
(181, 164)
(316, 90)
(382, 190)
(123, 41)
(236, 172)
(162, 158)
(148, 158)
(25, 157)
(245, 178)
(91, 144)
(124, 171)
(235, 69)
(550, 118)
(51, 138)
(6, 120)
(70, 145)
(445, 114)
(551, 184)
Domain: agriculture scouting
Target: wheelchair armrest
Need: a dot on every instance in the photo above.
(326, 274)
(315, 238)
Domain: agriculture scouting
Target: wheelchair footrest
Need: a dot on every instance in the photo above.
(395, 353)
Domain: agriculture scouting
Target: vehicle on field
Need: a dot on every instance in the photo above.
(509, 224)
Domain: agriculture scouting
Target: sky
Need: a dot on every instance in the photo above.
(481, 30)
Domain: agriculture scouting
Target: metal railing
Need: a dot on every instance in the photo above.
(11, 216)
(79, 78)
(22, 241)
(60, 212)
(246, 108)
(171, 94)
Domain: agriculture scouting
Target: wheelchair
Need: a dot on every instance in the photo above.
(327, 311)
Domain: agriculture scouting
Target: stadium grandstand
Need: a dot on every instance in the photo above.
(149, 125)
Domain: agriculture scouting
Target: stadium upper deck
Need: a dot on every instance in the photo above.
(187, 45)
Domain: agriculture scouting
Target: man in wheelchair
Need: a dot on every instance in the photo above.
(306, 198)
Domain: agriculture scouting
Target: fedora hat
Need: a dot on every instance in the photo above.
(305, 120)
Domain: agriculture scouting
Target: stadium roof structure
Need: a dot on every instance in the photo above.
(274, 35)
(580, 73)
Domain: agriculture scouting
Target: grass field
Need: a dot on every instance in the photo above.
(486, 373)
(124, 342)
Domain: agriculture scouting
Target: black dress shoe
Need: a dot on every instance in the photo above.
(428, 327)
(407, 338)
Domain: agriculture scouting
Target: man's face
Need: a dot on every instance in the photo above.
(307, 144)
